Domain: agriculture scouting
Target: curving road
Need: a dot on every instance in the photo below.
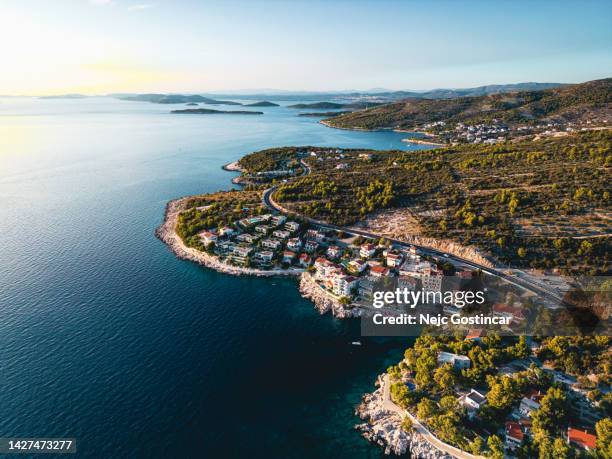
(421, 429)
(528, 285)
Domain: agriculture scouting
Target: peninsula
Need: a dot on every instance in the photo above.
(343, 220)
(492, 118)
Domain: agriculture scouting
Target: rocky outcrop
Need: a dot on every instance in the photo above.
(382, 426)
(323, 301)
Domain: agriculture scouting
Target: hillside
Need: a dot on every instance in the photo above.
(575, 103)
(539, 204)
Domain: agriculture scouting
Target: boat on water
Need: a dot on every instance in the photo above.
(356, 343)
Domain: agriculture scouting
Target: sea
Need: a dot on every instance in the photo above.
(106, 337)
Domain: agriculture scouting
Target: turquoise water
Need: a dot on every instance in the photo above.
(105, 336)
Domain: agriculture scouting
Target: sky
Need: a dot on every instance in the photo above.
(104, 46)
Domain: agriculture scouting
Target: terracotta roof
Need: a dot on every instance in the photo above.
(379, 269)
(581, 438)
(514, 430)
(475, 333)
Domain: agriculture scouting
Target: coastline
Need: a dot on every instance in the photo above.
(383, 426)
(166, 233)
(232, 167)
(423, 142)
(325, 123)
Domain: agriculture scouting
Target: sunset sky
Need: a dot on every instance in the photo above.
(102, 46)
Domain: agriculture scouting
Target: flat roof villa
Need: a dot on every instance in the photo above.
(457, 361)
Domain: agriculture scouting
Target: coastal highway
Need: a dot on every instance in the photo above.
(533, 287)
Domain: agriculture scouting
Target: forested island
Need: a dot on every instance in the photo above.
(208, 111)
(174, 99)
(263, 103)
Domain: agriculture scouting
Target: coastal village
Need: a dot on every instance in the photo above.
(487, 386)
(497, 131)
(344, 266)
(467, 394)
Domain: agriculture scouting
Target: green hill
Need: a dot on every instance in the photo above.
(578, 102)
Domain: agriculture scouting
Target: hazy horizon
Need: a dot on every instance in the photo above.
(98, 47)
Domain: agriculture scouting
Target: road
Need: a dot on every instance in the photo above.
(421, 429)
(532, 287)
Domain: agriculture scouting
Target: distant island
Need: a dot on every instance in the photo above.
(192, 104)
(208, 111)
(175, 99)
(263, 103)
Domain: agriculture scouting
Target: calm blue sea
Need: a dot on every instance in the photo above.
(105, 336)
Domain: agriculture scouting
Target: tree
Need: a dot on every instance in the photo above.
(521, 350)
(551, 418)
(426, 408)
(425, 365)
(496, 447)
(445, 377)
(449, 404)
(521, 252)
(603, 429)
(407, 425)
(476, 446)
(561, 450)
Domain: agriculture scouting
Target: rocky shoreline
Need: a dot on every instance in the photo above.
(232, 167)
(309, 289)
(166, 233)
(382, 426)
(324, 302)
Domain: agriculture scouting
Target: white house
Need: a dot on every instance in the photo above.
(474, 400)
(292, 226)
(357, 266)
(207, 237)
(294, 244)
(393, 260)
(528, 406)
(273, 244)
(227, 231)
(334, 251)
(367, 250)
(278, 220)
(264, 256)
(344, 285)
(281, 234)
(459, 362)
